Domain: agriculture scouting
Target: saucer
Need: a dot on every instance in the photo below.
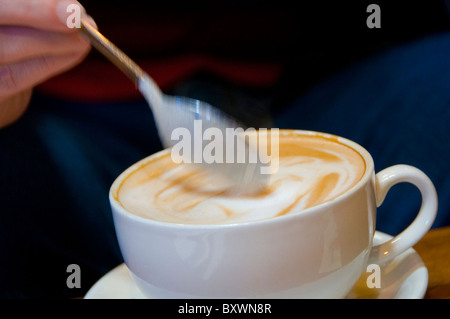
(404, 277)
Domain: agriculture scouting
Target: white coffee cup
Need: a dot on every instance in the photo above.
(316, 253)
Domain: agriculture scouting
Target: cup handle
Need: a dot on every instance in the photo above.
(384, 180)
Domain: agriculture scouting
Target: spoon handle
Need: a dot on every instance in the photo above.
(113, 53)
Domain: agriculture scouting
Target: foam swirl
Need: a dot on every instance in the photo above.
(312, 170)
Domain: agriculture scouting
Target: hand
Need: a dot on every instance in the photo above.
(36, 44)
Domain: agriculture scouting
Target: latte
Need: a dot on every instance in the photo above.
(312, 169)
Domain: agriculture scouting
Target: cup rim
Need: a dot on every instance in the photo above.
(368, 171)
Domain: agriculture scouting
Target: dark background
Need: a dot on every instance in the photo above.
(310, 39)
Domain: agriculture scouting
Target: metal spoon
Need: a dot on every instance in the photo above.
(172, 113)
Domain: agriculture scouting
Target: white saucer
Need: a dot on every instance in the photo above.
(405, 277)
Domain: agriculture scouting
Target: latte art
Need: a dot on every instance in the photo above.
(312, 170)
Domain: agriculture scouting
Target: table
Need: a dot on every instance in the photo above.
(434, 248)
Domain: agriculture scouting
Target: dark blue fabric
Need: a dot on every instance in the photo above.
(57, 165)
(397, 106)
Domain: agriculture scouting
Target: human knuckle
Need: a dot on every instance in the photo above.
(8, 81)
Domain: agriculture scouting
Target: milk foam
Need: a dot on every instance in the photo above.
(312, 170)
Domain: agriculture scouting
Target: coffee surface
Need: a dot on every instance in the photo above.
(312, 170)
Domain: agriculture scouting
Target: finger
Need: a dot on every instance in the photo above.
(22, 43)
(16, 77)
(41, 14)
(14, 107)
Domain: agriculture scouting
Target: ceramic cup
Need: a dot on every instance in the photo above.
(316, 253)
